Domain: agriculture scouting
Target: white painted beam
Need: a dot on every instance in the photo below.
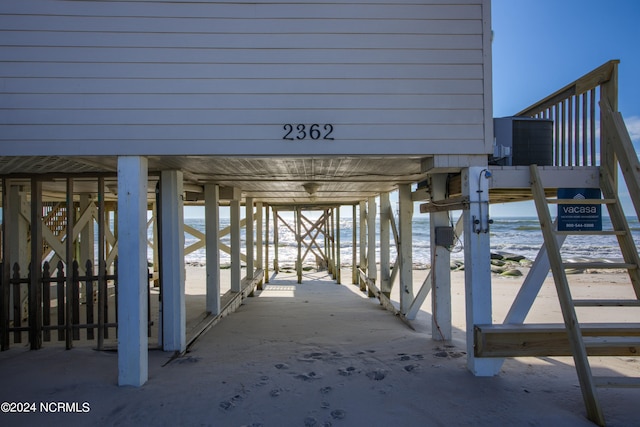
(477, 265)
(363, 242)
(249, 239)
(133, 362)
(421, 295)
(512, 177)
(385, 255)
(17, 245)
(405, 254)
(372, 268)
(441, 327)
(236, 267)
(87, 238)
(35, 267)
(69, 258)
(212, 231)
(299, 241)
(172, 259)
(259, 239)
(354, 247)
(267, 223)
(337, 246)
(276, 268)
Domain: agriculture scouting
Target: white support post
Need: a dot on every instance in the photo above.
(372, 268)
(329, 241)
(259, 240)
(299, 240)
(266, 247)
(441, 328)
(173, 269)
(477, 265)
(87, 238)
(337, 246)
(249, 226)
(35, 267)
(405, 254)
(385, 256)
(69, 253)
(276, 267)
(212, 247)
(363, 243)
(236, 268)
(354, 247)
(133, 358)
(18, 247)
(156, 248)
(18, 244)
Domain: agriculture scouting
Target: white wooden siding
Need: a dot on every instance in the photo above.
(224, 77)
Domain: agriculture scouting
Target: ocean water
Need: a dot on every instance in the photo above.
(518, 235)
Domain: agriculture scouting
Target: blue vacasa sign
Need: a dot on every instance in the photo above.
(579, 217)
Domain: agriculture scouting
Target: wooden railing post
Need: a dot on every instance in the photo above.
(609, 93)
(573, 110)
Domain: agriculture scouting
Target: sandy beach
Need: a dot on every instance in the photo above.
(322, 354)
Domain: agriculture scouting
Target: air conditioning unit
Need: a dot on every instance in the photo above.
(522, 141)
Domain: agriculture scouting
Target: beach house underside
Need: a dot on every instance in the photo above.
(115, 117)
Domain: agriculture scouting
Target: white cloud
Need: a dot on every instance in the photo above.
(633, 126)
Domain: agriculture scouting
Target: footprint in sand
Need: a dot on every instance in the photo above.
(226, 405)
(264, 380)
(326, 390)
(349, 370)
(275, 392)
(311, 422)
(377, 374)
(338, 414)
(307, 377)
(281, 366)
(411, 368)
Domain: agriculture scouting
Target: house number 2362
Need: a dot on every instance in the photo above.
(302, 131)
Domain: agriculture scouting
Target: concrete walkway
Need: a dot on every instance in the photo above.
(315, 354)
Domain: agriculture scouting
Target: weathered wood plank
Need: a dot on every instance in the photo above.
(537, 340)
(617, 382)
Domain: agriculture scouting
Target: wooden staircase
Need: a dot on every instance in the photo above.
(576, 144)
(612, 335)
(55, 219)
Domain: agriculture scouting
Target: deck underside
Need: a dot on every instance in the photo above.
(286, 181)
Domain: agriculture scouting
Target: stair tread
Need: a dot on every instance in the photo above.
(581, 201)
(606, 303)
(599, 265)
(606, 341)
(622, 382)
(593, 233)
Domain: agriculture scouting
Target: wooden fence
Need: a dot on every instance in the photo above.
(56, 312)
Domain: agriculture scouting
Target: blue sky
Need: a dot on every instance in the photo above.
(540, 46)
